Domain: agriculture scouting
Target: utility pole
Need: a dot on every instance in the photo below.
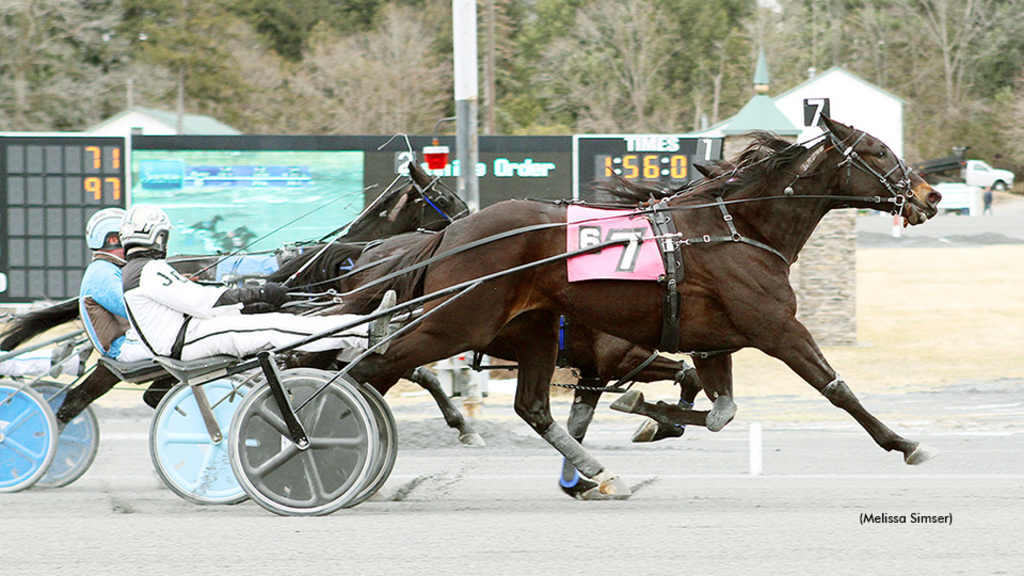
(466, 95)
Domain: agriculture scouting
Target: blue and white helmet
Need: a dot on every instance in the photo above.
(101, 226)
(146, 226)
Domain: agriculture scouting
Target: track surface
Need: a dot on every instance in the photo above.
(497, 510)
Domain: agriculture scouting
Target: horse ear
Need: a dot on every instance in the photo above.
(712, 170)
(841, 130)
(704, 169)
(418, 175)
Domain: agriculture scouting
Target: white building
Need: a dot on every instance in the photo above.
(150, 122)
(853, 101)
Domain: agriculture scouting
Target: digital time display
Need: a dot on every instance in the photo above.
(49, 188)
(674, 167)
(663, 158)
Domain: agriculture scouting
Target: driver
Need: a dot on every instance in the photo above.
(176, 317)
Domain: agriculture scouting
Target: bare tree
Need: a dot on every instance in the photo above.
(383, 81)
(956, 35)
(54, 63)
(609, 70)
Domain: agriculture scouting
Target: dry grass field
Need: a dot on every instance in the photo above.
(926, 317)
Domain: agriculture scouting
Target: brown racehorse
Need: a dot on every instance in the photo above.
(735, 293)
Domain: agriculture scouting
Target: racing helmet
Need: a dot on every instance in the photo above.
(146, 226)
(102, 229)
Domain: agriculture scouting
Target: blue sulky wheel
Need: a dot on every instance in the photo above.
(185, 457)
(77, 444)
(28, 437)
(343, 445)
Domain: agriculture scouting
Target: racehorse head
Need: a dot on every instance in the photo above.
(422, 203)
(874, 173)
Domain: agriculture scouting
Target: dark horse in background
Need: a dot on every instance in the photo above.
(734, 293)
(409, 207)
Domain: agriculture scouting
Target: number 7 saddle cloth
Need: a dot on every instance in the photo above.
(640, 259)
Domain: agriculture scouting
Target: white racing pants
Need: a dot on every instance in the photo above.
(241, 335)
(35, 363)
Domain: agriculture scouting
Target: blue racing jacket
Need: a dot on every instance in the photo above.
(101, 304)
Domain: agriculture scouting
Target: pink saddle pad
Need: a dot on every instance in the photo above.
(637, 260)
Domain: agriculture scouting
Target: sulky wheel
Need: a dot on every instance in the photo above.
(28, 437)
(343, 445)
(77, 444)
(189, 462)
(388, 451)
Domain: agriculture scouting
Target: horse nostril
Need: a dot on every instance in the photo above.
(934, 198)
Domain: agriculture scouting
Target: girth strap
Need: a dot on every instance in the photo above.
(671, 255)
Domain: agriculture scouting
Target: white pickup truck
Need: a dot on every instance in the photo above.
(980, 174)
(975, 176)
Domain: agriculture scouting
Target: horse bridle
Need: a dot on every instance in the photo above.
(900, 190)
(426, 198)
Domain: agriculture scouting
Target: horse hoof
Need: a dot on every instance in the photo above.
(628, 402)
(472, 439)
(920, 455)
(652, 431)
(721, 413)
(611, 487)
(578, 486)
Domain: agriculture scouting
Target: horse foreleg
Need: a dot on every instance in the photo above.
(580, 416)
(652, 430)
(803, 356)
(78, 398)
(716, 379)
(452, 416)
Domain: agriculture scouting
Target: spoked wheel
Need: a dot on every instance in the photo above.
(77, 444)
(331, 472)
(387, 430)
(28, 437)
(189, 462)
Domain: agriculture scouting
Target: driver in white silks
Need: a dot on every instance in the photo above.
(176, 317)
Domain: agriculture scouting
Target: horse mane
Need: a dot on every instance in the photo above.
(25, 326)
(336, 259)
(393, 254)
(765, 155)
(621, 192)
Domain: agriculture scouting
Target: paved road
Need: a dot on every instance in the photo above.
(1005, 224)
(497, 510)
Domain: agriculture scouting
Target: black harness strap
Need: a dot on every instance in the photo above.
(665, 231)
(131, 317)
(179, 340)
(629, 377)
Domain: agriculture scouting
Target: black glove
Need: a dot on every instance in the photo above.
(255, 300)
(274, 294)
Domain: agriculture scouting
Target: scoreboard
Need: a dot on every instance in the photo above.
(665, 159)
(49, 188)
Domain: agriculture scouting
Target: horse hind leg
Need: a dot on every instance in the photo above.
(428, 380)
(580, 415)
(536, 350)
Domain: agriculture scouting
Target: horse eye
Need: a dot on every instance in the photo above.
(881, 154)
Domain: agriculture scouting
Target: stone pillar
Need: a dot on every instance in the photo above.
(825, 280)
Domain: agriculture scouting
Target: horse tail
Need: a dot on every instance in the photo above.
(27, 325)
(392, 257)
(319, 276)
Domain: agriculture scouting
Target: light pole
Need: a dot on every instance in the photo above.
(466, 133)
